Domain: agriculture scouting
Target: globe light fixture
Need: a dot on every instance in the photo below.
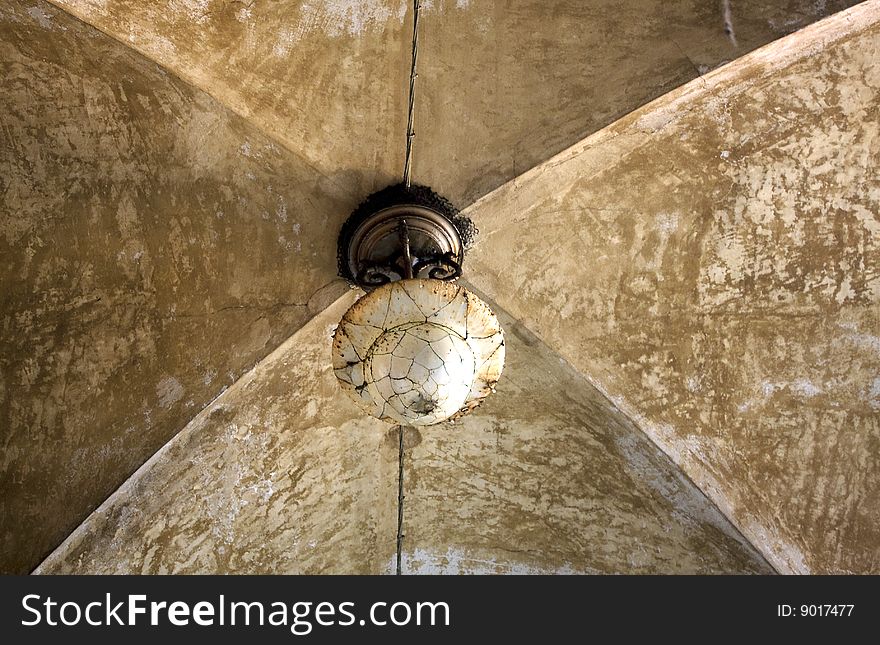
(417, 349)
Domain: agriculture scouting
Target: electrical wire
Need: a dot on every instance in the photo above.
(399, 498)
(410, 134)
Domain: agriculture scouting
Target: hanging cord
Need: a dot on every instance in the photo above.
(407, 166)
(399, 498)
(407, 172)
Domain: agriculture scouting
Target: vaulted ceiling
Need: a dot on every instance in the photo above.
(682, 238)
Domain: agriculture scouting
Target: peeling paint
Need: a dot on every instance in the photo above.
(170, 391)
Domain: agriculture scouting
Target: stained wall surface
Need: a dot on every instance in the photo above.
(708, 261)
(327, 79)
(547, 476)
(501, 86)
(154, 246)
(280, 474)
(712, 263)
(284, 474)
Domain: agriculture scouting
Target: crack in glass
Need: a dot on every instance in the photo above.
(438, 354)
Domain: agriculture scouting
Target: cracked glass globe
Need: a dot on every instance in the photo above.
(418, 352)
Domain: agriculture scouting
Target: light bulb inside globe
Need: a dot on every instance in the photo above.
(418, 352)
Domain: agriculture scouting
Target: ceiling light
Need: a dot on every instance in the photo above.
(417, 349)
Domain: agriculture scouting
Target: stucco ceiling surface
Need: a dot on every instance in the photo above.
(154, 246)
(685, 250)
(280, 474)
(712, 263)
(502, 86)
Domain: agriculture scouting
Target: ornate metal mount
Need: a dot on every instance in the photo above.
(413, 238)
(403, 264)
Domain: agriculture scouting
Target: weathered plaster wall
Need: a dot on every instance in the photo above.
(547, 476)
(712, 262)
(280, 474)
(327, 78)
(502, 85)
(154, 246)
(709, 261)
(284, 474)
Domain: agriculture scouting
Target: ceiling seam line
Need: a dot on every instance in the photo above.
(400, 497)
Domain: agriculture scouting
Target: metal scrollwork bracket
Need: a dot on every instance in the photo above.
(410, 234)
(438, 267)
